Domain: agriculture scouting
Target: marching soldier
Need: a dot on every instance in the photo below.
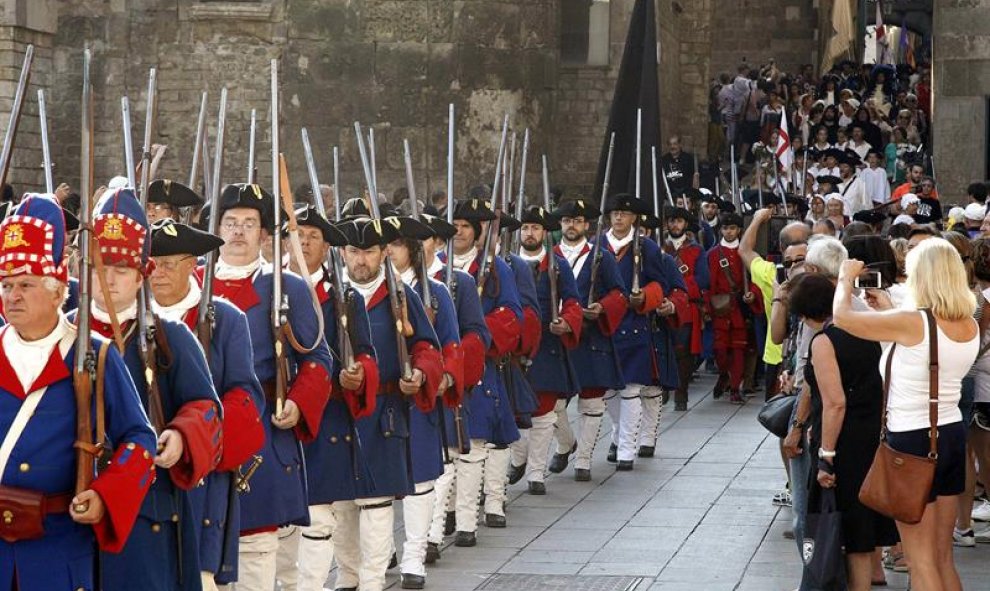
(731, 302)
(594, 359)
(551, 374)
(633, 340)
(275, 483)
(693, 268)
(174, 382)
(491, 422)
(167, 199)
(363, 534)
(39, 404)
(334, 460)
(177, 297)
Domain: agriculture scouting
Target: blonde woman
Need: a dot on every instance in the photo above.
(937, 280)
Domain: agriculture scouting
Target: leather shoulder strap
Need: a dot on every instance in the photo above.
(724, 264)
(101, 424)
(932, 383)
(886, 391)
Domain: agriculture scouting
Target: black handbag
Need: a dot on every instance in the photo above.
(821, 548)
(775, 416)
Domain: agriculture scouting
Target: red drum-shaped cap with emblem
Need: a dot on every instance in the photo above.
(34, 239)
(121, 229)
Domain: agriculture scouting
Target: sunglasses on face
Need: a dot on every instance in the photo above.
(793, 262)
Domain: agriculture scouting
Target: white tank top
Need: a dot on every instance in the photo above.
(907, 399)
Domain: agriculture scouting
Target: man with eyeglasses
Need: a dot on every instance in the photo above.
(912, 183)
(277, 493)
(177, 294)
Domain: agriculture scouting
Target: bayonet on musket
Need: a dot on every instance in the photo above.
(491, 236)
(432, 304)
(206, 316)
(552, 271)
(15, 115)
(46, 152)
(597, 257)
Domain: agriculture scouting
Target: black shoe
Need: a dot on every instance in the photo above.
(558, 463)
(664, 397)
(465, 539)
(432, 553)
(582, 474)
(450, 524)
(646, 451)
(680, 405)
(736, 398)
(613, 453)
(412, 581)
(710, 366)
(720, 385)
(494, 520)
(537, 488)
(516, 473)
(394, 562)
(624, 466)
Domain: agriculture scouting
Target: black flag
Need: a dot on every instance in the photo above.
(637, 87)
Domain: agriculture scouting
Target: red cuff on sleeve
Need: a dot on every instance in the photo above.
(614, 306)
(453, 364)
(652, 297)
(572, 314)
(243, 433)
(529, 339)
(122, 487)
(427, 359)
(473, 350)
(199, 424)
(504, 327)
(361, 402)
(311, 392)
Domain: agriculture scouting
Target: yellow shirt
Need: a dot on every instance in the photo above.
(764, 274)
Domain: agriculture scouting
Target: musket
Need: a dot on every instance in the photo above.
(280, 300)
(521, 198)
(424, 273)
(656, 190)
(508, 169)
(336, 185)
(342, 302)
(46, 153)
(198, 145)
(149, 122)
(15, 115)
(552, 272)
(371, 154)
(636, 246)
(488, 248)
(84, 366)
(396, 293)
(596, 259)
(251, 139)
(206, 312)
(125, 114)
(451, 280)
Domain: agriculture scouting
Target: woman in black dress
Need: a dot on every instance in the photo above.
(847, 398)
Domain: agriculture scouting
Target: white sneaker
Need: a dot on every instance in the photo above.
(981, 512)
(963, 539)
(782, 499)
(983, 537)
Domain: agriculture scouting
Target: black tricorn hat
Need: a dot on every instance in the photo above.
(169, 237)
(730, 218)
(674, 212)
(439, 226)
(625, 202)
(649, 221)
(363, 232)
(870, 216)
(537, 215)
(409, 227)
(172, 193)
(573, 208)
(834, 153)
(473, 210)
(309, 216)
(355, 207)
(828, 178)
(249, 196)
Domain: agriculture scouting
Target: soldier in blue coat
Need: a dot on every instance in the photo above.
(595, 359)
(649, 288)
(491, 420)
(215, 502)
(38, 420)
(175, 385)
(551, 373)
(363, 534)
(276, 495)
(335, 462)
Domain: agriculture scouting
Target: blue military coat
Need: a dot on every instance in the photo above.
(552, 371)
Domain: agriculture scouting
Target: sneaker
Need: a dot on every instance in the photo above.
(963, 539)
(782, 499)
(981, 512)
(982, 537)
(736, 398)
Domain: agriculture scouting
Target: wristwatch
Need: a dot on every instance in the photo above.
(824, 454)
(796, 424)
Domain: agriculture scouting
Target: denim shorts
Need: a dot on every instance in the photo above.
(950, 469)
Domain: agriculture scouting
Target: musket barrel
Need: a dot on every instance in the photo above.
(125, 113)
(251, 141)
(336, 184)
(639, 148)
(149, 120)
(15, 114)
(200, 130)
(451, 285)
(46, 152)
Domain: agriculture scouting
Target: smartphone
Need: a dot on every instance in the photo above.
(869, 280)
(781, 274)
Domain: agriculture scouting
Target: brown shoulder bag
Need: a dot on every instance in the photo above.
(898, 483)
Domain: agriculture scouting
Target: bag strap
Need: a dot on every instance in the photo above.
(724, 264)
(932, 383)
(101, 361)
(886, 391)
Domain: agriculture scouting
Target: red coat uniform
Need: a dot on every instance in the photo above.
(730, 330)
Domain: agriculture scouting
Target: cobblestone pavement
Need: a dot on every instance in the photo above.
(698, 517)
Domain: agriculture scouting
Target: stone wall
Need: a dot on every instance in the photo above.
(961, 80)
(757, 30)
